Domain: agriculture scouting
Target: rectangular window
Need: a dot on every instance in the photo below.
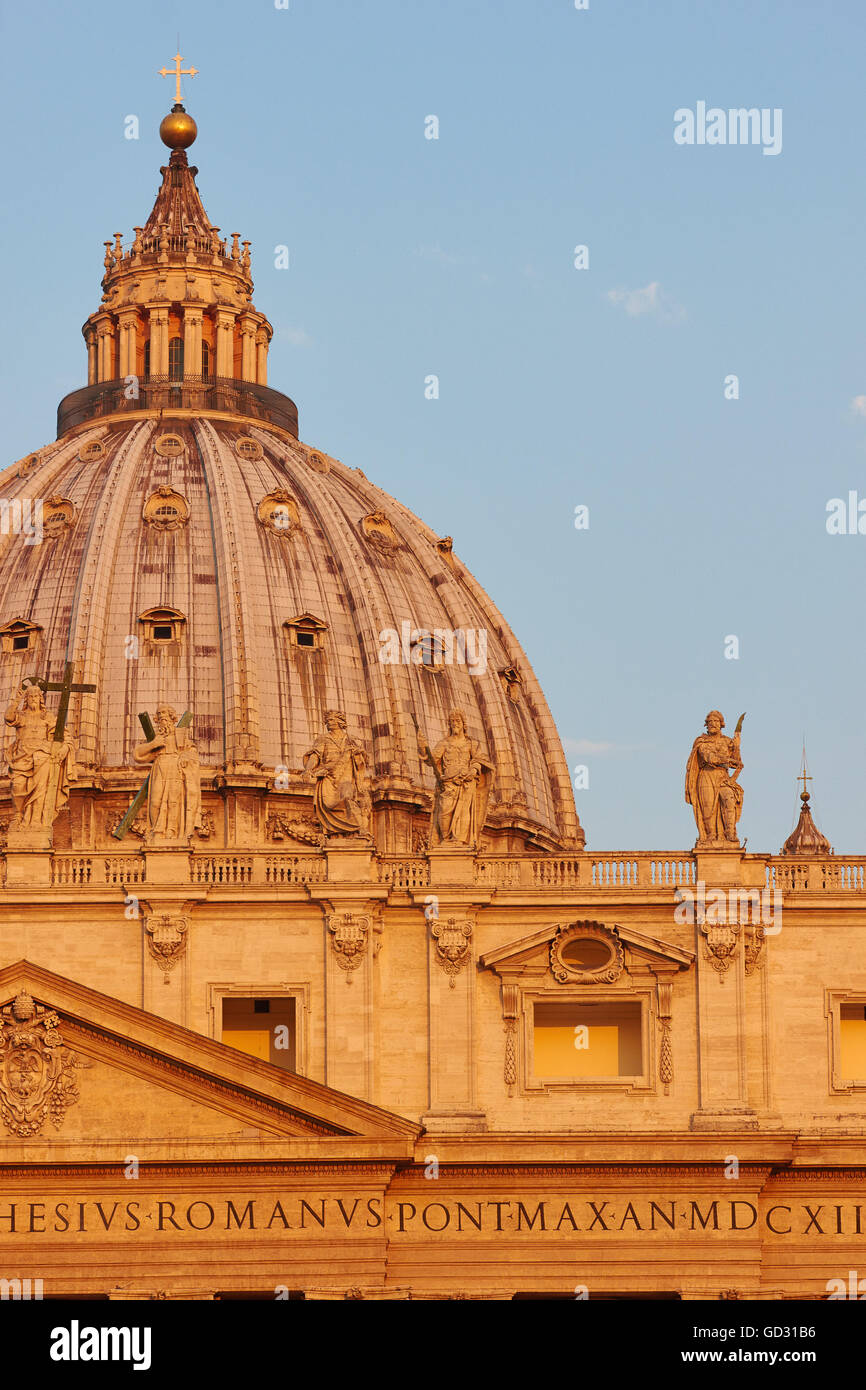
(575, 1040)
(265, 1028)
(852, 1042)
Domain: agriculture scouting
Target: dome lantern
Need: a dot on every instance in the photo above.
(177, 327)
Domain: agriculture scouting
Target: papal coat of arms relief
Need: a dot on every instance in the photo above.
(37, 1069)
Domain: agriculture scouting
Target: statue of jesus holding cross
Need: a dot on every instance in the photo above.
(41, 759)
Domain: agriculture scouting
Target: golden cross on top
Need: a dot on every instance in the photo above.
(177, 72)
(805, 780)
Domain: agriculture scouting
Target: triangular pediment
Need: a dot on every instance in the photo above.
(79, 1068)
(533, 952)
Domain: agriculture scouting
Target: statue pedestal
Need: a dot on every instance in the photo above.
(169, 864)
(350, 859)
(28, 868)
(34, 837)
(451, 865)
(719, 865)
(724, 1079)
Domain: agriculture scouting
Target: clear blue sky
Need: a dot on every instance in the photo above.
(411, 256)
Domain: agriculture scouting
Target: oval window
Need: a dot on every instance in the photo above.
(247, 448)
(587, 953)
(169, 445)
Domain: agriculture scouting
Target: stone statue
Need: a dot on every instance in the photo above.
(40, 768)
(713, 791)
(463, 781)
(338, 766)
(174, 788)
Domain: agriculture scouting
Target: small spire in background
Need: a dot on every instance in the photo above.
(806, 838)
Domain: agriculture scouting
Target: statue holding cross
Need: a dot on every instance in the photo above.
(173, 787)
(42, 758)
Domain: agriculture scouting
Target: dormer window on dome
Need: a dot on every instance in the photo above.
(512, 682)
(306, 632)
(165, 510)
(278, 512)
(428, 650)
(27, 464)
(162, 626)
(18, 636)
(58, 515)
(379, 532)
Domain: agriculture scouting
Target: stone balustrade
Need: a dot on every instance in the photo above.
(839, 874)
(613, 872)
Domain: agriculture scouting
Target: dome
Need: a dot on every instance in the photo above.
(195, 553)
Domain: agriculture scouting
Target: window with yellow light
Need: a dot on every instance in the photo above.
(263, 1027)
(852, 1041)
(573, 1040)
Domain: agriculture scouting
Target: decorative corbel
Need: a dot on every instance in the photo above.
(664, 990)
(166, 936)
(350, 934)
(166, 928)
(753, 947)
(452, 936)
(510, 1000)
(721, 945)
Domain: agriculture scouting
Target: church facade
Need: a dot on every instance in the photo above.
(309, 985)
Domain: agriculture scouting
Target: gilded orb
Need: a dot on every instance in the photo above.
(178, 129)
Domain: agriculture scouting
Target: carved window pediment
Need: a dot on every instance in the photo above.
(512, 682)
(162, 626)
(572, 947)
(445, 549)
(165, 510)
(278, 512)
(586, 953)
(428, 650)
(377, 530)
(58, 516)
(306, 631)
